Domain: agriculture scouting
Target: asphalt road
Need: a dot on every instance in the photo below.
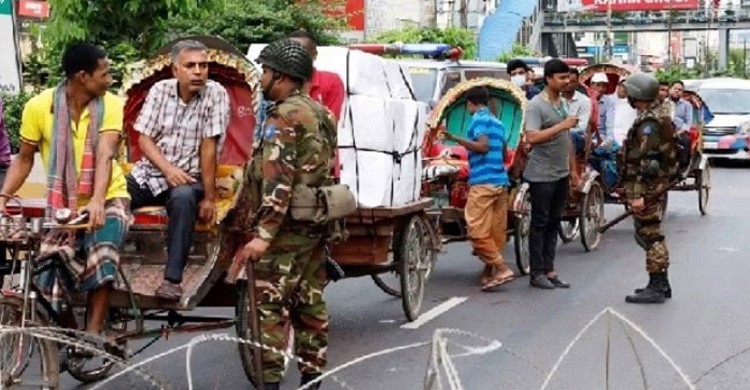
(705, 323)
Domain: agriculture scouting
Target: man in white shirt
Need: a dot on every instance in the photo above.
(578, 105)
(624, 113)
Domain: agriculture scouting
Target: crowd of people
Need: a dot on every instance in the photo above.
(77, 127)
(635, 122)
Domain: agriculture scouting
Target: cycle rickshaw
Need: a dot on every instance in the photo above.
(400, 239)
(446, 169)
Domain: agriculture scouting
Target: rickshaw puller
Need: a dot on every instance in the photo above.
(292, 150)
(650, 161)
(487, 202)
(76, 127)
(179, 128)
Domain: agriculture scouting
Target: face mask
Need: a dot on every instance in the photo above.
(518, 80)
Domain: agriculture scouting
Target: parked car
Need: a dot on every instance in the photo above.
(727, 136)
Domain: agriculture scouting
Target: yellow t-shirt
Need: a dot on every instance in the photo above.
(37, 129)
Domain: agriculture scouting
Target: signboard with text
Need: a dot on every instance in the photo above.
(626, 5)
(10, 64)
(33, 9)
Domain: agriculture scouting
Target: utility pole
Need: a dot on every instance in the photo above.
(669, 35)
(608, 38)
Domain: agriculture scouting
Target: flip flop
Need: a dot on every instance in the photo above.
(498, 282)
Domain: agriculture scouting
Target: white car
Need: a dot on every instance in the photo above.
(727, 135)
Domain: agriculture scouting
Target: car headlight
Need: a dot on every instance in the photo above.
(744, 128)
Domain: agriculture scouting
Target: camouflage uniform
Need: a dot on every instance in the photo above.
(650, 159)
(290, 148)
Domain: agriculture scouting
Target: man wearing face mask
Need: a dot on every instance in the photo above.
(519, 73)
(649, 162)
(292, 148)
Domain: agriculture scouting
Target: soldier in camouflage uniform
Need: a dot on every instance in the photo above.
(290, 148)
(650, 161)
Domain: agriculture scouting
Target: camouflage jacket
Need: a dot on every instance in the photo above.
(293, 146)
(649, 154)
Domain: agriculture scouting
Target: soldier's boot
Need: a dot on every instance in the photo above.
(667, 291)
(307, 378)
(653, 293)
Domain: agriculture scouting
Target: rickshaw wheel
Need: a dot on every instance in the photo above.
(568, 230)
(414, 258)
(664, 204)
(392, 288)
(521, 232)
(385, 287)
(11, 309)
(704, 188)
(592, 214)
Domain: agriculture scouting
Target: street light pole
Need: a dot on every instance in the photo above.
(608, 38)
(669, 35)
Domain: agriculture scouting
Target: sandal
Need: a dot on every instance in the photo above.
(498, 281)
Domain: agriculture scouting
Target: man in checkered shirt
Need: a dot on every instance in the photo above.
(180, 125)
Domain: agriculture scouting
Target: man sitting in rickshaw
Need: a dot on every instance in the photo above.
(76, 127)
(579, 105)
(180, 125)
(683, 121)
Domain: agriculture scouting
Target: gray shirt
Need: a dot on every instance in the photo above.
(548, 161)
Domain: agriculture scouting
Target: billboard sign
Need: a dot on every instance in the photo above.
(626, 5)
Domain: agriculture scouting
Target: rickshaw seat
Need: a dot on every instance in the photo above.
(228, 181)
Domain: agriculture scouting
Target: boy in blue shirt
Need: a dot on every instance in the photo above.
(486, 209)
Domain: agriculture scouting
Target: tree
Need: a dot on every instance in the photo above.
(515, 52)
(453, 36)
(242, 23)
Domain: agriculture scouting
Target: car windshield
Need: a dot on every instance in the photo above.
(727, 101)
(424, 81)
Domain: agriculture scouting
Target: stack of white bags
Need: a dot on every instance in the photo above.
(381, 127)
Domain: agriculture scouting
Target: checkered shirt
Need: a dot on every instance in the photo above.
(177, 129)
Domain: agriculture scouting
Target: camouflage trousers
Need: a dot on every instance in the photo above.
(650, 236)
(289, 287)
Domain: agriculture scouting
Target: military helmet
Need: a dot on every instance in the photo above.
(641, 86)
(288, 57)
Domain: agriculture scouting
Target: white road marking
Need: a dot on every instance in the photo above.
(434, 312)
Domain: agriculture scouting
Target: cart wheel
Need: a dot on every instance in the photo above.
(521, 232)
(27, 361)
(592, 215)
(568, 230)
(244, 331)
(385, 286)
(704, 189)
(414, 259)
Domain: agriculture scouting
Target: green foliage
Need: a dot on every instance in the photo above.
(13, 109)
(675, 73)
(132, 30)
(453, 36)
(139, 22)
(515, 52)
(242, 23)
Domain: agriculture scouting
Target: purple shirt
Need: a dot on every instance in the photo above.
(4, 142)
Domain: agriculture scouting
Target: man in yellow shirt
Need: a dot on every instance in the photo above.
(76, 127)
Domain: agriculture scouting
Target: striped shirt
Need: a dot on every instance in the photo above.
(177, 128)
(487, 168)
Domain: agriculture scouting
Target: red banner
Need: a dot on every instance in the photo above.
(33, 9)
(640, 5)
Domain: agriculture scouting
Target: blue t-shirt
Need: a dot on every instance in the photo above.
(487, 168)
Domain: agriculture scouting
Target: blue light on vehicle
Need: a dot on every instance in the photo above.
(428, 49)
